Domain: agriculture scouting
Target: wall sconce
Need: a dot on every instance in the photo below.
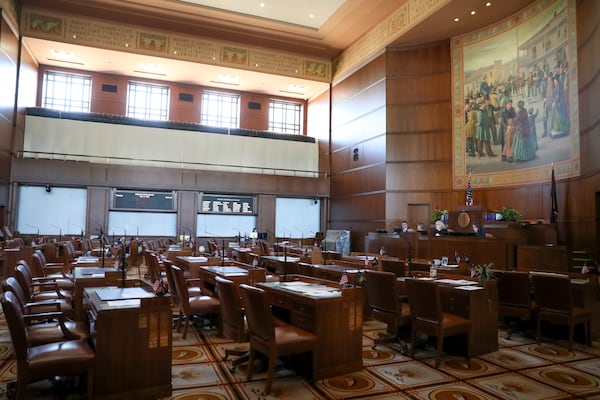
(48, 188)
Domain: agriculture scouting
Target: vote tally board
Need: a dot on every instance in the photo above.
(223, 204)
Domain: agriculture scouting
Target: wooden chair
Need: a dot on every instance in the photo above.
(428, 317)
(233, 319)
(192, 305)
(514, 297)
(398, 267)
(40, 269)
(45, 306)
(45, 361)
(554, 300)
(47, 327)
(268, 338)
(387, 305)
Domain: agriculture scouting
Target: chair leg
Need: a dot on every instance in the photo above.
(438, 355)
(270, 373)
(413, 336)
(90, 384)
(250, 364)
(571, 334)
(185, 326)
(538, 335)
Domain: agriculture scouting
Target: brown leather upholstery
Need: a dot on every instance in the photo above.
(232, 318)
(554, 300)
(192, 305)
(40, 291)
(155, 267)
(396, 266)
(11, 284)
(268, 338)
(48, 327)
(36, 363)
(428, 317)
(265, 250)
(514, 296)
(40, 268)
(192, 290)
(386, 304)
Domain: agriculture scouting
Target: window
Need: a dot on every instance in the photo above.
(147, 101)
(66, 92)
(220, 109)
(285, 117)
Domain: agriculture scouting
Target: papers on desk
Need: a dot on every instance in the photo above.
(470, 287)
(456, 282)
(106, 294)
(124, 303)
(313, 290)
(87, 259)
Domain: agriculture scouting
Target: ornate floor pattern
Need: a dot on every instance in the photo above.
(520, 370)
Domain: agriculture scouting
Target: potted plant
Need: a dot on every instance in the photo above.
(483, 272)
(508, 213)
(439, 215)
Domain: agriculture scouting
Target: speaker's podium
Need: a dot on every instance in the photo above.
(132, 334)
(462, 220)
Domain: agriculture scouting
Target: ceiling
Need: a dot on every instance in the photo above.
(313, 28)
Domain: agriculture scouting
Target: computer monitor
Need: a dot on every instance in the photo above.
(397, 229)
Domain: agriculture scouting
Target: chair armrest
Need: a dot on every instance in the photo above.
(32, 318)
(30, 307)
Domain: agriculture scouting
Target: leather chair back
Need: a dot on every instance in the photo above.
(424, 299)
(232, 312)
(258, 312)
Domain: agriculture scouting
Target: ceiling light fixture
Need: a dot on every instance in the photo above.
(456, 19)
(473, 12)
(262, 5)
(296, 88)
(229, 79)
(311, 15)
(489, 3)
(63, 55)
(150, 68)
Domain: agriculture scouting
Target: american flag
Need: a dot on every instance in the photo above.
(469, 192)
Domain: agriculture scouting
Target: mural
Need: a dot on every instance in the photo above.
(515, 97)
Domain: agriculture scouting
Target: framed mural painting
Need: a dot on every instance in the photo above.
(515, 96)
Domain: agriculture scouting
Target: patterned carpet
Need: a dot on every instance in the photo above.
(519, 370)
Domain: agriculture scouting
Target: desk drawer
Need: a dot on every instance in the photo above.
(304, 308)
(304, 321)
(282, 302)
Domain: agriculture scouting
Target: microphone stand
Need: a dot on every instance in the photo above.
(223, 253)
(410, 253)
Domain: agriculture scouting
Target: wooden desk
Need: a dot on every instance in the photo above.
(188, 262)
(334, 273)
(281, 265)
(91, 277)
(337, 322)
(208, 275)
(480, 305)
(133, 340)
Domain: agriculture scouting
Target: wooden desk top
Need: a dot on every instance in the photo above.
(226, 271)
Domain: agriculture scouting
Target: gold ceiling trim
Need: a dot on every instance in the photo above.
(130, 39)
(406, 17)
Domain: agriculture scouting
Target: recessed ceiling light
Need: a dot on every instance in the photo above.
(63, 55)
(149, 67)
(311, 15)
(473, 12)
(296, 88)
(262, 5)
(456, 19)
(228, 78)
(489, 3)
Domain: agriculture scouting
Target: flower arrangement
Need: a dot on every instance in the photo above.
(439, 215)
(509, 214)
(483, 272)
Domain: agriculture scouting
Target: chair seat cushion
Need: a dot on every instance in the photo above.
(44, 333)
(65, 358)
(291, 339)
(204, 305)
